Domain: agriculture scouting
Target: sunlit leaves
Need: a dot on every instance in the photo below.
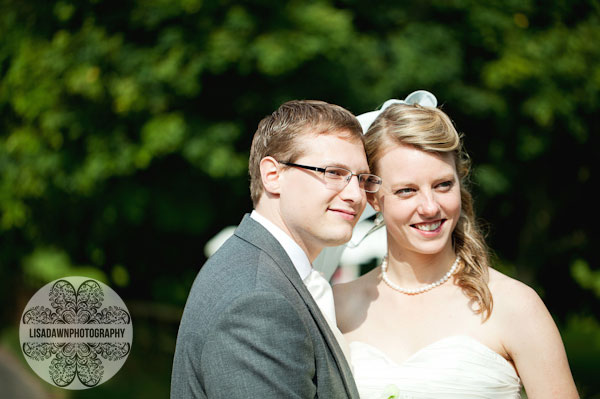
(585, 276)
(210, 149)
(163, 134)
(46, 264)
(228, 44)
(549, 63)
(425, 55)
(314, 29)
(491, 180)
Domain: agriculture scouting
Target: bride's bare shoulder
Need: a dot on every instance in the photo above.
(350, 291)
(352, 297)
(502, 284)
(513, 297)
(356, 288)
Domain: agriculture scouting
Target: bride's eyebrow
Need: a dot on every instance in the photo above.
(448, 177)
(410, 183)
(397, 185)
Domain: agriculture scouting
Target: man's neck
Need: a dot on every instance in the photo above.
(275, 218)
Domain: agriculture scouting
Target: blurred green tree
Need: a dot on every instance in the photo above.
(125, 126)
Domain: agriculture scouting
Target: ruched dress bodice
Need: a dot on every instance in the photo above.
(454, 367)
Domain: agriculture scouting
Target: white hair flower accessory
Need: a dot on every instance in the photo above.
(421, 97)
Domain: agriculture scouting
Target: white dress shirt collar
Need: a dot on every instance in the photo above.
(293, 250)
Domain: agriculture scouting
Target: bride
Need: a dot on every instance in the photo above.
(435, 320)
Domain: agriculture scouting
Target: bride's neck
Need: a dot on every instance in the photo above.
(413, 269)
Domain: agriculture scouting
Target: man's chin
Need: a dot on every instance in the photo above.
(338, 239)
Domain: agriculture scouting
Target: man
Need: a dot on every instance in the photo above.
(252, 327)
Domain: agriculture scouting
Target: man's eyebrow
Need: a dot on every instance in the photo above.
(341, 165)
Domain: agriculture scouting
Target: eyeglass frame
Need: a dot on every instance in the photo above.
(323, 170)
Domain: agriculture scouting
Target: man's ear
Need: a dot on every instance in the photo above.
(269, 173)
(374, 201)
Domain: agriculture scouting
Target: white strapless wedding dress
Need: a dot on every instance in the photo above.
(455, 367)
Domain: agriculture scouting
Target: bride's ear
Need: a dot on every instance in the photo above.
(373, 201)
(269, 173)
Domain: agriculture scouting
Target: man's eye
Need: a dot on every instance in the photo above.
(335, 173)
(372, 179)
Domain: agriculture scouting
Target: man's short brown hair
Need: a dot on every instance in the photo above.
(277, 133)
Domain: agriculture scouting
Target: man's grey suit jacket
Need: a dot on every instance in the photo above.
(251, 329)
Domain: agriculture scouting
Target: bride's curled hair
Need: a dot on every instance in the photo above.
(430, 129)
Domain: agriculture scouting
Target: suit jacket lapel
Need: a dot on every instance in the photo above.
(253, 232)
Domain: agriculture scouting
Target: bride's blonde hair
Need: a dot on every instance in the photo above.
(430, 129)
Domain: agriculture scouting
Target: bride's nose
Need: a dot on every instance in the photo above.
(428, 205)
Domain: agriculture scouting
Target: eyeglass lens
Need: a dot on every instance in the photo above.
(341, 176)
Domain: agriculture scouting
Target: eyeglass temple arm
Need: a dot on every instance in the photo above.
(316, 169)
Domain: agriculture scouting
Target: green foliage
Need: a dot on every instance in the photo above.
(581, 336)
(585, 276)
(48, 264)
(125, 126)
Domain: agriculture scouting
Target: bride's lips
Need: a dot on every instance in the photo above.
(429, 228)
(346, 214)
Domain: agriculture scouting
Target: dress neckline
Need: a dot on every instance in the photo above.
(461, 337)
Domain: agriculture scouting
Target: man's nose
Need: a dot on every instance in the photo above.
(352, 191)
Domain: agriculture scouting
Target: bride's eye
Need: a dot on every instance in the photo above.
(404, 191)
(446, 186)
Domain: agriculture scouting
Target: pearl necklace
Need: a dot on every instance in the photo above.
(416, 291)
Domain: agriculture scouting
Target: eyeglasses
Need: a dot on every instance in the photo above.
(338, 178)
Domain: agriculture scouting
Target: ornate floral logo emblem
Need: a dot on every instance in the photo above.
(76, 333)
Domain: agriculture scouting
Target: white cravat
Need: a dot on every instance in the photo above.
(320, 289)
